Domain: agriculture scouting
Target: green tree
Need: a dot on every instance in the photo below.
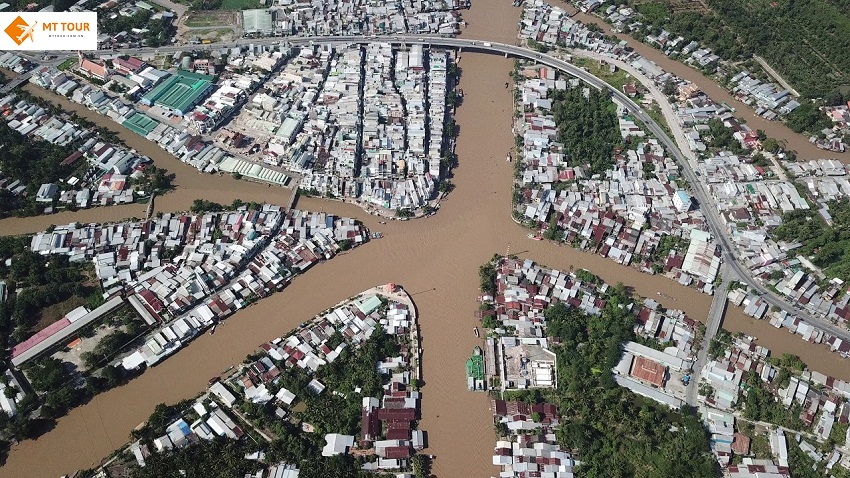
(202, 206)
(587, 127)
(807, 118)
(10, 391)
(553, 232)
(487, 276)
(770, 145)
(614, 432)
(48, 374)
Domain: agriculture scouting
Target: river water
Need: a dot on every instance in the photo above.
(773, 129)
(435, 259)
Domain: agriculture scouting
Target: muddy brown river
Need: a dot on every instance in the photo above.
(435, 259)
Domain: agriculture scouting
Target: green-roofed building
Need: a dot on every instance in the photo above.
(140, 124)
(369, 305)
(181, 92)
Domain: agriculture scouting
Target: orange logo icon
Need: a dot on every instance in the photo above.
(19, 30)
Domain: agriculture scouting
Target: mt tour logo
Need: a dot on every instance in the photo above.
(19, 30)
(49, 31)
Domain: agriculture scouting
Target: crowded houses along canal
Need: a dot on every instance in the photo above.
(436, 259)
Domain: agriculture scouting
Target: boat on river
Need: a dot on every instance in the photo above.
(535, 237)
(477, 334)
(475, 371)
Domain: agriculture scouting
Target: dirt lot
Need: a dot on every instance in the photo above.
(212, 34)
(86, 344)
(55, 312)
(209, 19)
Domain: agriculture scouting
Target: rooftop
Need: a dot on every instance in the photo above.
(179, 92)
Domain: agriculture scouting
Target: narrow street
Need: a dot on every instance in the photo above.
(438, 257)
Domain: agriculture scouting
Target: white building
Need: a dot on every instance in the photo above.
(682, 201)
(337, 444)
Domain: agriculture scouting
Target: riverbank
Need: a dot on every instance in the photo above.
(437, 260)
(773, 129)
(290, 378)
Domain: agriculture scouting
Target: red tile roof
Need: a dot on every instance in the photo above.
(741, 444)
(370, 427)
(40, 336)
(398, 434)
(93, 68)
(648, 370)
(397, 452)
(72, 158)
(405, 414)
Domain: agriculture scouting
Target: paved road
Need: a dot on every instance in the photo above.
(776, 76)
(715, 222)
(16, 82)
(712, 325)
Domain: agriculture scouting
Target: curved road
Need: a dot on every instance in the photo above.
(716, 225)
(304, 286)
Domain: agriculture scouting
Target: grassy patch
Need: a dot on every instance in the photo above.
(760, 446)
(54, 312)
(67, 64)
(241, 4)
(616, 79)
(211, 34)
(208, 19)
(655, 113)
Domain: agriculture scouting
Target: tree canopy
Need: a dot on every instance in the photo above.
(803, 41)
(807, 117)
(587, 127)
(40, 281)
(615, 433)
(213, 458)
(827, 246)
(155, 35)
(33, 162)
